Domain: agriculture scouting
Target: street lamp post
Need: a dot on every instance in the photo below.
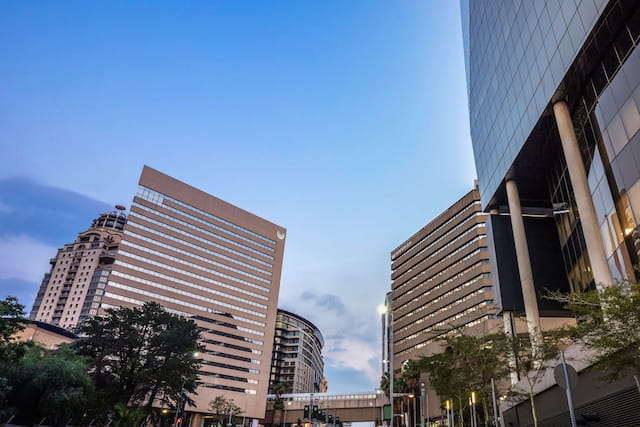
(284, 419)
(180, 407)
(388, 333)
(422, 396)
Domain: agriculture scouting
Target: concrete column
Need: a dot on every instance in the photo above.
(524, 265)
(586, 210)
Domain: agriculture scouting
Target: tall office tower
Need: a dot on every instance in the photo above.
(297, 354)
(441, 282)
(211, 262)
(554, 102)
(554, 108)
(72, 290)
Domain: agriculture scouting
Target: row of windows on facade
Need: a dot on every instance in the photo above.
(202, 230)
(442, 336)
(157, 197)
(444, 270)
(447, 322)
(157, 296)
(448, 307)
(409, 246)
(446, 235)
(424, 284)
(196, 256)
(188, 315)
(228, 345)
(213, 226)
(427, 305)
(201, 248)
(245, 282)
(172, 278)
(183, 292)
(436, 263)
(228, 377)
(182, 261)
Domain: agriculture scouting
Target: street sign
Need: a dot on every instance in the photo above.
(559, 376)
(386, 410)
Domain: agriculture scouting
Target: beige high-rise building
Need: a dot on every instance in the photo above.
(441, 281)
(211, 262)
(441, 285)
(71, 291)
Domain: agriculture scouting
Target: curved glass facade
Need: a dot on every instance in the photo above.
(517, 53)
(297, 354)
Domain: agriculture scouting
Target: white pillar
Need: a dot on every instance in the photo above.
(509, 330)
(586, 210)
(524, 265)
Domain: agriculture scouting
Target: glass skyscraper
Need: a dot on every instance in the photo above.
(523, 59)
(554, 104)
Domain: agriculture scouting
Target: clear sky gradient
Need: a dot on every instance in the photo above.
(345, 122)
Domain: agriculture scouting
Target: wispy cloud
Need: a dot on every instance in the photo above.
(326, 301)
(48, 214)
(35, 220)
(351, 343)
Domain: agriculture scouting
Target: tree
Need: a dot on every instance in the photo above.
(12, 321)
(467, 365)
(278, 405)
(609, 324)
(222, 408)
(51, 384)
(279, 389)
(140, 356)
(127, 417)
(399, 386)
(532, 362)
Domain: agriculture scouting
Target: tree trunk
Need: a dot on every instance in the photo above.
(533, 408)
(277, 417)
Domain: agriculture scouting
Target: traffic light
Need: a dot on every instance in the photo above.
(315, 412)
(179, 421)
(330, 419)
(337, 420)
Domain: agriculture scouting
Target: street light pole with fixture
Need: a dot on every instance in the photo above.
(388, 319)
(284, 419)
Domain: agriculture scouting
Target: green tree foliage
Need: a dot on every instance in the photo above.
(141, 355)
(12, 321)
(467, 365)
(127, 417)
(610, 325)
(48, 384)
(222, 407)
(531, 362)
(280, 389)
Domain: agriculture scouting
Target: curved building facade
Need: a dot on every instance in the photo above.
(554, 104)
(297, 354)
(554, 100)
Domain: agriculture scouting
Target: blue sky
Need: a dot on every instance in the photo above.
(345, 122)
